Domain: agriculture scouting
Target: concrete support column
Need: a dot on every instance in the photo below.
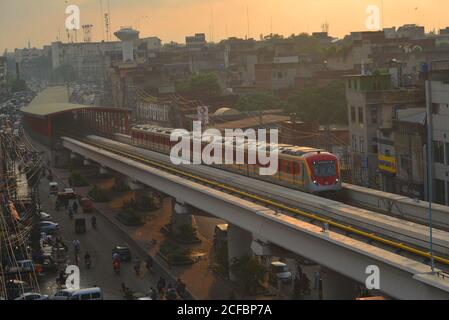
(239, 245)
(104, 170)
(337, 286)
(181, 216)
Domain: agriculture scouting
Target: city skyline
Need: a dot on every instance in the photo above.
(43, 22)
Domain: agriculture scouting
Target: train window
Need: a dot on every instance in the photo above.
(324, 168)
(296, 168)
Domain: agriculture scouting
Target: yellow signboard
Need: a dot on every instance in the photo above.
(387, 164)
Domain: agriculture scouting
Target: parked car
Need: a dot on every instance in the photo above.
(87, 294)
(44, 216)
(48, 227)
(32, 296)
(123, 252)
(63, 294)
(22, 266)
(280, 271)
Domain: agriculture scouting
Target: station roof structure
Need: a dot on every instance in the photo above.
(52, 100)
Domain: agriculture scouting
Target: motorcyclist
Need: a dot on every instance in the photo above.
(93, 221)
(137, 263)
(76, 246)
(116, 262)
(87, 259)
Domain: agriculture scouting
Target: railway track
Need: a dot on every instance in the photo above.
(283, 208)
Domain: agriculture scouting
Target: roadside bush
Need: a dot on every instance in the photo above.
(98, 195)
(187, 233)
(174, 253)
(78, 179)
(249, 272)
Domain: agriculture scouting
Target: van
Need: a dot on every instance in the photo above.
(87, 294)
(22, 266)
(53, 187)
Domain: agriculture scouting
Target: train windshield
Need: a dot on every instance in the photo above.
(324, 168)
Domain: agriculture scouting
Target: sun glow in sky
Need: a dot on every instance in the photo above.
(42, 21)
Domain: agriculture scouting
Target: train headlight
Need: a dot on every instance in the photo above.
(315, 182)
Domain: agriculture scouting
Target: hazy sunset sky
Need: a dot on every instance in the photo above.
(40, 21)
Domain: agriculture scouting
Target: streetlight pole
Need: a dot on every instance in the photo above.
(430, 162)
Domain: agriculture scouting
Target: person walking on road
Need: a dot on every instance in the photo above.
(75, 207)
(149, 264)
(161, 286)
(137, 263)
(180, 288)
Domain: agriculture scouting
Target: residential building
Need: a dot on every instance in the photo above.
(373, 104)
(409, 130)
(439, 73)
(3, 75)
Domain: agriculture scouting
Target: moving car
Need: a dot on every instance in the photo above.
(87, 294)
(48, 227)
(32, 296)
(123, 252)
(44, 216)
(63, 294)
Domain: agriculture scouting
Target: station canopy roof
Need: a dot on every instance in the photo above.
(50, 101)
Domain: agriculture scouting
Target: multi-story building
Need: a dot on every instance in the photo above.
(32, 61)
(439, 98)
(373, 104)
(90, 59)
(3, 75)
(409, 131)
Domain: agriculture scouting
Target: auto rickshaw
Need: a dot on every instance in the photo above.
(80, 225)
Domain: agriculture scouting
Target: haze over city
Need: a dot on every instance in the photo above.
(43, 20)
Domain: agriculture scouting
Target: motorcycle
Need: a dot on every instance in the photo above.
(116, 266)
(88, 263)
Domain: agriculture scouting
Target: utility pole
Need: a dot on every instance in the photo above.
(430, 161)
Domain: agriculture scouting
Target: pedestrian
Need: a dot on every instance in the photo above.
(149, 263)
(71, 212)
(171, 293)
(137, 263)
(75, 207)
(161, 286)
(180, 288)
(152, 294)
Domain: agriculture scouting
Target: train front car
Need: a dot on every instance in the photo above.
(324, 172)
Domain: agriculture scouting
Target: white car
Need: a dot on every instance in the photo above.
(63, 294)
(44, 216)
(32, 296)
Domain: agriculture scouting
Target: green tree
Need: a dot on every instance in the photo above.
(202, 83)
(260, 101)
(249, 272)
(326, 105)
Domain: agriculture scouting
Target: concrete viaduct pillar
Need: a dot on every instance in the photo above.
(239, 245)
(337, 286)
(181, 216)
